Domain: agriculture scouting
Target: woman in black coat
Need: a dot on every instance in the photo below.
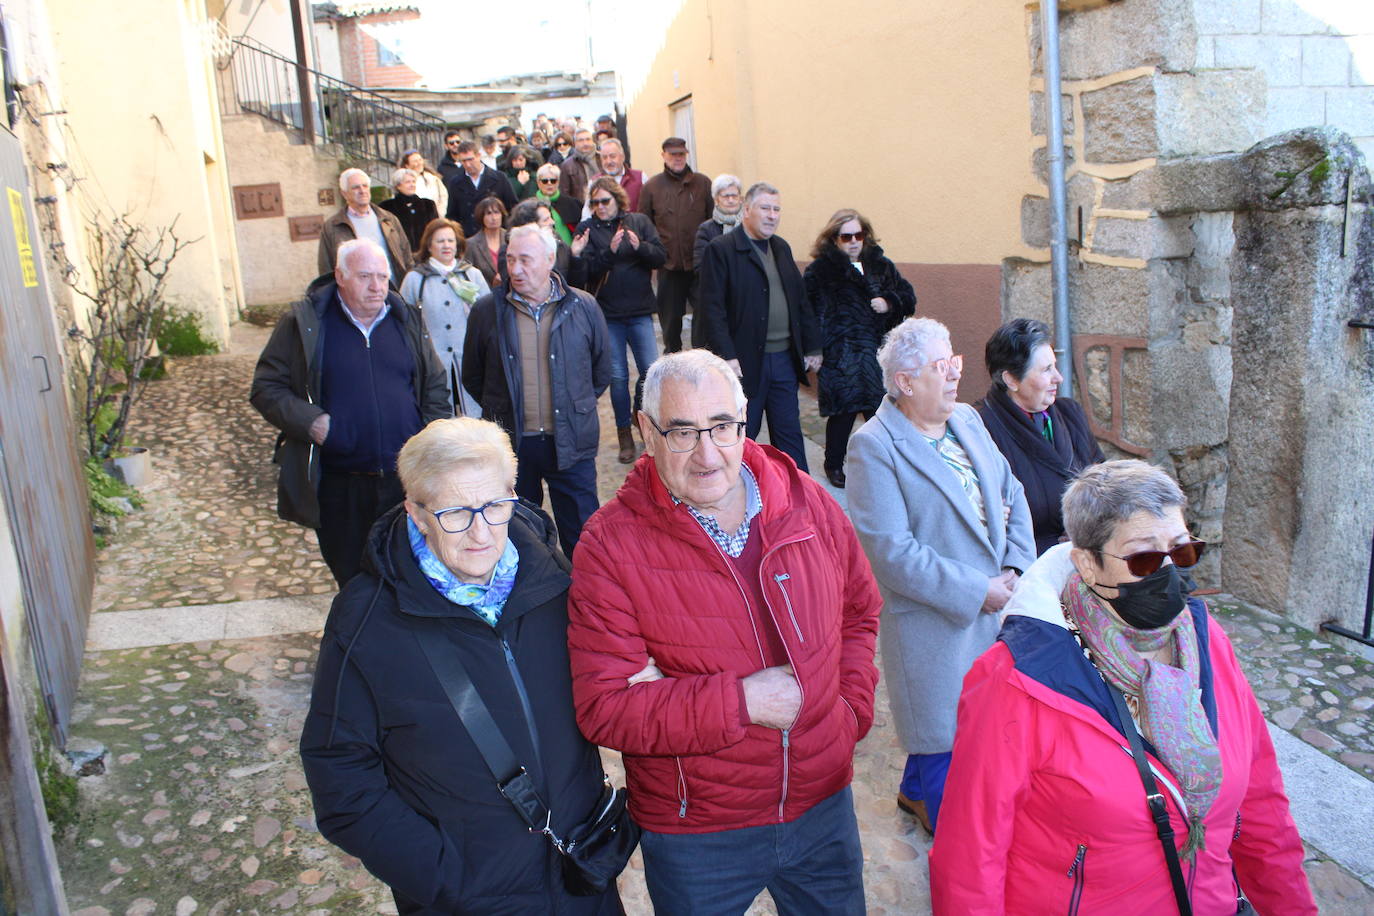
(620, 251)
(414, 212)
(395, 778)
(1045, 437)
(858, 296)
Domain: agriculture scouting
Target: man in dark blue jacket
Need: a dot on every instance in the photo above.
(472, 183)
(348, 376)
(536, 357)
(756, 316)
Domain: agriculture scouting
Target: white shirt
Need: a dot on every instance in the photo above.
(365, 328)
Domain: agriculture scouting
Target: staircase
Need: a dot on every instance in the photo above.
(365, 126)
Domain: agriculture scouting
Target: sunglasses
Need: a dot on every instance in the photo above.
(548, 181)
(601, 201)
(1148, 561)
(847, 237)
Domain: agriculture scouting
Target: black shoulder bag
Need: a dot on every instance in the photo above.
(1158, 812)
(592, 853)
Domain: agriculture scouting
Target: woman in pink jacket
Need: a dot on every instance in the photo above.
(1045, 809)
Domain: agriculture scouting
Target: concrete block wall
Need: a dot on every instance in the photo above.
(1317, 57)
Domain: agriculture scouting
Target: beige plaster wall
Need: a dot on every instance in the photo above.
(916, 114)
(276, 269)
(143, 135)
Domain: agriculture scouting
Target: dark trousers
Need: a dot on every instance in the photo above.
(776, 395)
(811, 865)
(349, 504)
(837, 429)
(676, 290)
(572, 491)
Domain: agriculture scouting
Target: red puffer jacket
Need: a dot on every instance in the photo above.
(649, 582)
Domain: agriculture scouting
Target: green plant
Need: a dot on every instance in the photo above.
(181, 334)
(106, 491)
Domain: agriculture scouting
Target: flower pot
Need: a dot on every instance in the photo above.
(134, 467)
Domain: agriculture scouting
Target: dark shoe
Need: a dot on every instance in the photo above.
(836, 477)
(627, 444)
(916, 809)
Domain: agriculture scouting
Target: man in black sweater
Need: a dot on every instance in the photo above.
(348, 376)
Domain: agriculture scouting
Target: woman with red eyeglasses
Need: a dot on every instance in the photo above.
(945, 527)
(858, 296)
(1110, 756)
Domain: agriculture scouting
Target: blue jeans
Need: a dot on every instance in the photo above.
(777, 396)
(638, 335)
(812, 865)
(572, 491)
(924, 780)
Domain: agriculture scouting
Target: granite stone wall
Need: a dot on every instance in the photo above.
(1184, 227)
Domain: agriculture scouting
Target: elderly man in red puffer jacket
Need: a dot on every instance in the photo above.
(722, 627)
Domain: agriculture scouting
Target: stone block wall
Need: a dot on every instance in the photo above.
(1171, 259)
(1317, 57)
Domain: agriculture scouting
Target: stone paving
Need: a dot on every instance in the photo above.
(203, 808)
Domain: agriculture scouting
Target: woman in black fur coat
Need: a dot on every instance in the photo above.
(858, 296)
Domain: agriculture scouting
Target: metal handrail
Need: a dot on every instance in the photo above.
(366, 124)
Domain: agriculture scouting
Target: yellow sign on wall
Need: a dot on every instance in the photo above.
(21, 238)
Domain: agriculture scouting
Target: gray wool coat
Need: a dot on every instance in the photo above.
(932, 559)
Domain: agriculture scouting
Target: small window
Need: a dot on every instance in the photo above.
(388, 57)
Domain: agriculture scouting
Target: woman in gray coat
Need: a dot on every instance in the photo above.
(443, 288)
(947, 531)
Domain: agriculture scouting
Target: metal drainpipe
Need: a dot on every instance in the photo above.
(1054, 162)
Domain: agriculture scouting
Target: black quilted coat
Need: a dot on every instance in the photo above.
(850, 380)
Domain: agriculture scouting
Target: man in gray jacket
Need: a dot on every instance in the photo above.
(348, 376)
(536, 357)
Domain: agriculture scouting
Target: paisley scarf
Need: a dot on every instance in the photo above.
(1167, 700)
(486, 601)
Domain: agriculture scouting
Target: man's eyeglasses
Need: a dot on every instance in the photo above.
(453, 142)
(1145, 562)
(601, 201)
(847, 237)
(457, 519)
(685, 438)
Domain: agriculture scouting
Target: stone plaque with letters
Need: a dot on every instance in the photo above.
(305, 228)
(257, 201)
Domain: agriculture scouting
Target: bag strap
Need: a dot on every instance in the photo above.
(513, 781)
(1158, 812)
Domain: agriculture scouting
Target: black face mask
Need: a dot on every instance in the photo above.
(1151, 602)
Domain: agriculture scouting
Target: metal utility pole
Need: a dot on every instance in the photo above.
(303, 74)
(1054, 163)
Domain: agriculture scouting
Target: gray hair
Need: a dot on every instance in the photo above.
(691, 367)
(400, 174)
(904, 348)
(448, 445)
(550, 243)
(612, 140)
(724, 181)
(757, 188)
(1106, 494)
(547, 170)
(346, 174)
(347, 250)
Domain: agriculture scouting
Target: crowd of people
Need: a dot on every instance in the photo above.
(1079, 735)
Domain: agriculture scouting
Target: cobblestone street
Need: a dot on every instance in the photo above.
(203, 807)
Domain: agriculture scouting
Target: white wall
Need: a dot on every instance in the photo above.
(1317, 56)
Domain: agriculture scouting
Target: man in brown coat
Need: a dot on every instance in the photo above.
(678, 200)
(359, 219)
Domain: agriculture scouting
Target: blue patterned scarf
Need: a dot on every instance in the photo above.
(485, 600)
